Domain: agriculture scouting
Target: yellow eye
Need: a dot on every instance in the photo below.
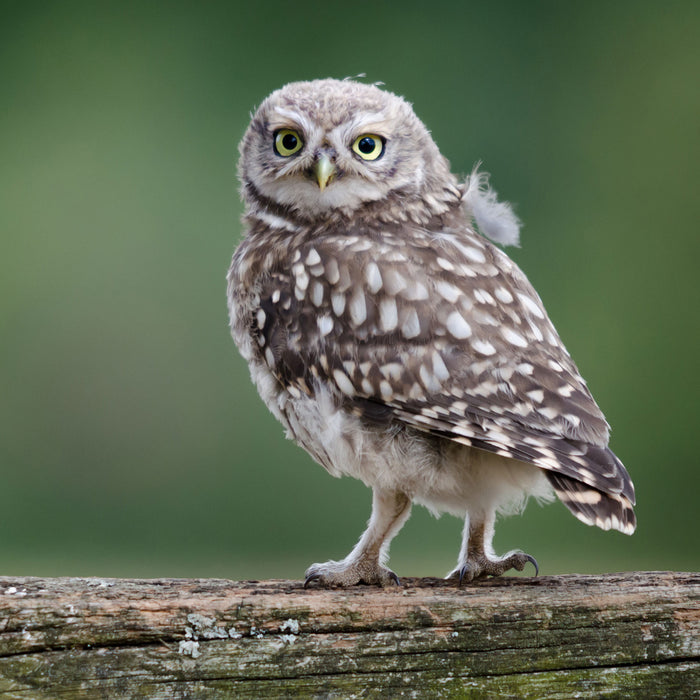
(287, 142)
(368, 146)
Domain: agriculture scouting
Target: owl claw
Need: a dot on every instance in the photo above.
(333, 574)
(480, 567)
(533, 561)
(311, 577)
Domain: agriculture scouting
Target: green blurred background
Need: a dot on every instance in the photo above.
(132, 442)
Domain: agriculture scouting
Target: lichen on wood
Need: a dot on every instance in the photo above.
(623, 635)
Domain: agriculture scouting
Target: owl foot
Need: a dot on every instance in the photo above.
(340, 574)
(480, 567)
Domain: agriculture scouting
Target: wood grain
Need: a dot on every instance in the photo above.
(621, 635)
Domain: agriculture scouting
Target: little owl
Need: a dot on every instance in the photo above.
(396, 344)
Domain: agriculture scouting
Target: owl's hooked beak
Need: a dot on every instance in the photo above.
(324, 171)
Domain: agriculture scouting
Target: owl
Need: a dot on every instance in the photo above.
(394, 342)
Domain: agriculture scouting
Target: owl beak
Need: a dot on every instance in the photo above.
(324, 171)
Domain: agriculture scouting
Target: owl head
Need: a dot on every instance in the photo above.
(336, 145)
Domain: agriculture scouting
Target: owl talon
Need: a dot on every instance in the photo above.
(334, 574)
(481, 567)
(311, 577)
(533, 561)
(467, 573)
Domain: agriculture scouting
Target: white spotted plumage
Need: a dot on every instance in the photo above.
(398, 345)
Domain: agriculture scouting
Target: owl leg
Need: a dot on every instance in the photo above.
(390, 510)
(477, 558)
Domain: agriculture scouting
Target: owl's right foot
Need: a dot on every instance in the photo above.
(340, 574)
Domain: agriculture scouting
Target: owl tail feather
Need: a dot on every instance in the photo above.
(593, 507)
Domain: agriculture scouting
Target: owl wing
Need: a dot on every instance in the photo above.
(444, 334)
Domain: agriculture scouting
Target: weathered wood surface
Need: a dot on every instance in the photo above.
(624, 635)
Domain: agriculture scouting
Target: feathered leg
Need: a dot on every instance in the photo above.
(365, 564)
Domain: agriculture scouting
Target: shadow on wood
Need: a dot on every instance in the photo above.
(624, 635)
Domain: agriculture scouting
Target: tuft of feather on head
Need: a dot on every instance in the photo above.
(495, 220)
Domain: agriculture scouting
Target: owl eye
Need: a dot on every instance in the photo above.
(287, 142)
(368, 146)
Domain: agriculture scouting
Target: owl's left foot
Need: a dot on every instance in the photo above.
(482, 566)
(477, 559)
(340, 574)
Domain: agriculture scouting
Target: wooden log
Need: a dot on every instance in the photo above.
(631, 635)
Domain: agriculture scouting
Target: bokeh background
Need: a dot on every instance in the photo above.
(132, 442)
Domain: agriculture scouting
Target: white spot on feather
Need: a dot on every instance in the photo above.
(392, 370)
(275, 221)
(531, 305)
(483, 297)
(394, 281)
(415, 291)
(513, 337)
(587, 497)
(448, 291)
(388, 314)
(573, 419)
(317, 293)
(473, 254)
(332, 271)
(349, 367)
(430, 382)
(457, 326)
(536, 332)
(416, 392)
(358, 307)
(343, 382)
(411, 325)
(439, 367)
(325, 325)
(313, 258)
(502, 294)
(537, 395)
(373, 277)
(483, 347)
(338, 303)
(485, 389)
(301, 277)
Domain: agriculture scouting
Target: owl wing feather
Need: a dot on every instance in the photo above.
(443, 333)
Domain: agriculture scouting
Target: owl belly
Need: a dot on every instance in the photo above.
(442, 475)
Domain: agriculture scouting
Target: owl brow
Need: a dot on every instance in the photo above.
(288, 115)
(374, 121)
